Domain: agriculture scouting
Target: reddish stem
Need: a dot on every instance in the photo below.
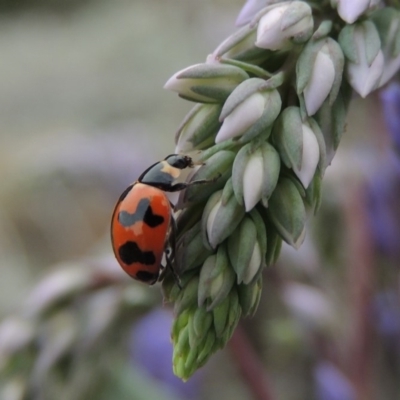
(250, 365)
(360, 285)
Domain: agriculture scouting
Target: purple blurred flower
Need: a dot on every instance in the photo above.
(383, 201)
(151, 350)
(390, 98)
(386, 307)
(331, 384)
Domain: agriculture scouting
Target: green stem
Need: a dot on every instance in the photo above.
(253, 69)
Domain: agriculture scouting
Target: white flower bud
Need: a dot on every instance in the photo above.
(365, 61)
(284, 23)
(310, 158)
(350, 10)
(241, 117)
(253, 181)
(247, 105)
(254, 264)
(300, 144)
(363, 78)
(255, 174)
(321, 81)
(222, 214)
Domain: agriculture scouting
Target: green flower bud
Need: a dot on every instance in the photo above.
(201, 324)
(219, 163)
(319, 73)
(198, 129)
(207, 348)
(216, 279)
(249, 110)
(299, 145)
(255, 173)
(332, 119)
(249, 297)
(274, 238)
(361, 46)
(222, 214)
(281, 24)
(387, 22)
(234, 315)
(170, 289)
(206, 83)
(287, 212)
(187, 296)
(247, 247)
(220, 316)
(240, 46)
(190, 250)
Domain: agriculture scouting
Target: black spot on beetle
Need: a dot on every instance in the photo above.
(130, 253)
(144, 213)
(146, 276)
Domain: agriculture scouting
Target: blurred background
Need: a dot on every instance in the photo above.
(82, 113)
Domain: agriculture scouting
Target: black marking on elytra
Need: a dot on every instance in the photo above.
(146, 276)
(144, 213)
(130, 253)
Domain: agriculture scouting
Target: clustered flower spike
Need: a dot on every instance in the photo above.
(271, 106)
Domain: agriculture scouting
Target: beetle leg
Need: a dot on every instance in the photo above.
(183, 185)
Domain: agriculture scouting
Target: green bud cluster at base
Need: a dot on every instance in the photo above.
(272, 103)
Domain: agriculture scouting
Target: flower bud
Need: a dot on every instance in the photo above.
(287, 212)
(319, 73)
(240, 46)
(299, 145)
(249, 297)
(332, 119)
(274, 239)
(387, 22)
(365, 62)
(220, 317)
(255, 174)
(208, 347)
(222, 214)
(248, 110)
(187, 296)
(198, 129)
(250, 9)
(226, 317)
(234, 315)
(216, 279)
(284, 23)
(206, 83)
(202, 321)
(190, 250)
(219, 164)
(351, 10)
(246, 249)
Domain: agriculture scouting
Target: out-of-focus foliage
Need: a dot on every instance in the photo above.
(82, 113)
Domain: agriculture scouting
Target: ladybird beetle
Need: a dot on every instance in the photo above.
(142, 224)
